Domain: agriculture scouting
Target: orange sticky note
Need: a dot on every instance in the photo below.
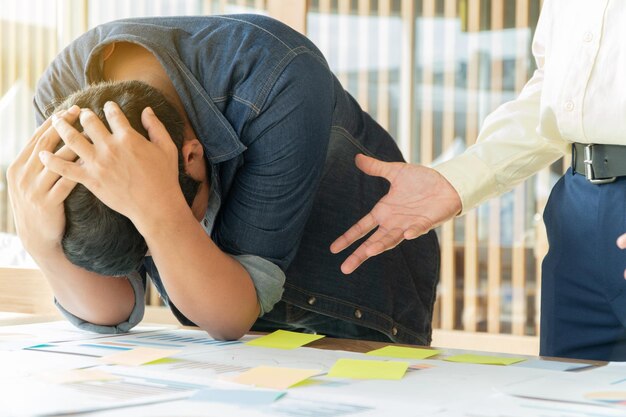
(273, 377)
(137, 356)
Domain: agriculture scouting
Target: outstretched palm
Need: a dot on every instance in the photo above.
(418, 200)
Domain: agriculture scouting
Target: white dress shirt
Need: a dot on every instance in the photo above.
(577, 94)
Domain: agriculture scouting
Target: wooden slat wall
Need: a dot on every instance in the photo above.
(470, 265)
(446, 302)
(382, 110)
(407, 84)
(494, 253)
(428, 45)
(364, 52)
(518, 286)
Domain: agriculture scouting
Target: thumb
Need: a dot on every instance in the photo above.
(157, 132)
(373, 166)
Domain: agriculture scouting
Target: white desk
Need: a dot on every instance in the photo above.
(435, 387)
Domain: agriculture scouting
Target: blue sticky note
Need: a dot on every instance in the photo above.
(247, 397)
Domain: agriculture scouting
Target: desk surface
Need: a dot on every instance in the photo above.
(449, 389)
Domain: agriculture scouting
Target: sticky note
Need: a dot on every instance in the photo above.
(366, 369)
(137, 356)
(163, 361)
(274, 377)
(76, 375)
(283, 339)
(483, 359)
(404, 352)
(250, 397)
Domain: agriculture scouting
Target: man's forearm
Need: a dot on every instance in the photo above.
(211, 288)
(94, 298)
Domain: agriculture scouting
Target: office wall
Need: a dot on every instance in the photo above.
(427, 70)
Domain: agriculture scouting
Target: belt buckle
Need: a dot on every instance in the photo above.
(588, 161)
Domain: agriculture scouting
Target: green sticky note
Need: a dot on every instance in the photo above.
(484, 359)
(283, 339)
(404, 352)
(365, 369)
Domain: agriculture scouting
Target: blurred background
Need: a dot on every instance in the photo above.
(427, 70)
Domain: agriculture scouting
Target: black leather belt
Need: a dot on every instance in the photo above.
(601, 164)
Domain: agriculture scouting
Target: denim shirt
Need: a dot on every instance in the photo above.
(280, 134)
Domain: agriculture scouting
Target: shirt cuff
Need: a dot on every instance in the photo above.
(138, 284)
(472, 179)
(268, 280)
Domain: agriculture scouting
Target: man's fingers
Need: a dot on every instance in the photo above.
(93, 127)
(356, 232)
(355, 260)
(73, 139)
(49, 178)
(50, 138)
(71, 112)
(60, 190)
(413, 232)
(27, 151)
(117, 120)
(374, 167)
(383, 240)
(71, 170)
(157, 132)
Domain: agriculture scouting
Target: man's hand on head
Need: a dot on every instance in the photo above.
(128, 173)
(37, 194)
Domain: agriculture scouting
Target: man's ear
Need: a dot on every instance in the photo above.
(193, 159)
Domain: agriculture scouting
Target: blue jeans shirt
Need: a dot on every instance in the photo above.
(280, 134)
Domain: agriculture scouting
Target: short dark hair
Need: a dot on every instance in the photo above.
(96, 237)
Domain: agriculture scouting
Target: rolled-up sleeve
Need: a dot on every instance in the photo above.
(139, 284)
(268, 280)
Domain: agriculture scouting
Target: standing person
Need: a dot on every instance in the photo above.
(269, 135)
(572, 104)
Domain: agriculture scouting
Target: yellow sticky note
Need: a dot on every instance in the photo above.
(162, 361)
(137, 356)
(483, 359)
(76, 375)
(404, 352)
(365, 369)
(283, 339)
(273, 377)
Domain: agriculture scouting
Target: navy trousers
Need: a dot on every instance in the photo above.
(583, 291)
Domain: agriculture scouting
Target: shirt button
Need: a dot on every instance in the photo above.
(311, 301)
(569, 105)
(205, 222)
(588, 37)
(394, 331)
(358, 314)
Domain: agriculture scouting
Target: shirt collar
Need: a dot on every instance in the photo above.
(220, 141)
